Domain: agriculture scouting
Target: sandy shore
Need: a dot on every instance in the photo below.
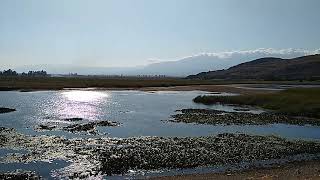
(296, 170)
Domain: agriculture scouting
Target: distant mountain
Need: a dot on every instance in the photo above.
(214, 61)
(269, 68)
(181, 67)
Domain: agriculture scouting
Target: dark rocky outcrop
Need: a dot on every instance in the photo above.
(88, 127)
(6, 110)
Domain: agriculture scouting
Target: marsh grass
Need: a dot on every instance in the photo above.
(298, 102)
(56, 83)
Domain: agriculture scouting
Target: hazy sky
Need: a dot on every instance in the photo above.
(134, 32)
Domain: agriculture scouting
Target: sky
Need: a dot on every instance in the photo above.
(121, 33)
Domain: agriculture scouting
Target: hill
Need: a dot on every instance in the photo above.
(269, 68)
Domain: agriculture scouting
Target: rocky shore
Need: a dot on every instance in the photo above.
(108, 156)
(214, 117)
(89, 127)
(20, 175)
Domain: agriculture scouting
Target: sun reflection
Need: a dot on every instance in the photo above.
(77, 104)
(84, 96)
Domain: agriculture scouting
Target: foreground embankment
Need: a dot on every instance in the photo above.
(96, 156)
(295, 170)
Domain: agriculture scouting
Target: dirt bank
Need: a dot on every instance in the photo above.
(294, 171)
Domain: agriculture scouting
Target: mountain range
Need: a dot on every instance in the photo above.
(180, 67)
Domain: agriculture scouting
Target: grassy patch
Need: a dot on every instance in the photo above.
(300, 102)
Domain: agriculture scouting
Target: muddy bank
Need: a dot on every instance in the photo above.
(6, 110)
(96, 156)
(295, 170)
(232, 88)
(209, 116)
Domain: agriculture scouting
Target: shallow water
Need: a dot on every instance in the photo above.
(44, 169)
(140, 114)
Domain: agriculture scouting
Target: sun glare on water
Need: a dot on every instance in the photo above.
(85, 96)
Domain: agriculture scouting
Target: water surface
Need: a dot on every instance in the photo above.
(140, 114)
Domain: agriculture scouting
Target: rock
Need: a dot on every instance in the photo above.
(73, 119)
(80, 127)
(89, 127)
(241, 109)
(27, 90)
(6, 110)
(107, 123)
(45, 127)
(20, 175)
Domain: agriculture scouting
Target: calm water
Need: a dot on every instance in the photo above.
(140, 114)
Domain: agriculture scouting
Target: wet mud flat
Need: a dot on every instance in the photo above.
(214, 117)
(110, 156)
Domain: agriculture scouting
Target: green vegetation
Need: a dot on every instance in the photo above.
(298, 102)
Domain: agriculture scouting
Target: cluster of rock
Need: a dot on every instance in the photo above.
(20, 175)
(96, 156)
(89, 127)
(210, 116)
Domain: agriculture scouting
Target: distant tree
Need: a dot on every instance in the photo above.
(41, 73)
(9, 72)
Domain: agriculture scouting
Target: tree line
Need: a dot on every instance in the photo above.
(11, 72)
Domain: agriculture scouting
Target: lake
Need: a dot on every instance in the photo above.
(139, 114)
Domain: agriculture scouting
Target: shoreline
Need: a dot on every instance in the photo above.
(231, 88)
(292, 170)
(111, 156)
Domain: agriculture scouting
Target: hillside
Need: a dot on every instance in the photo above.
(269, 68)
